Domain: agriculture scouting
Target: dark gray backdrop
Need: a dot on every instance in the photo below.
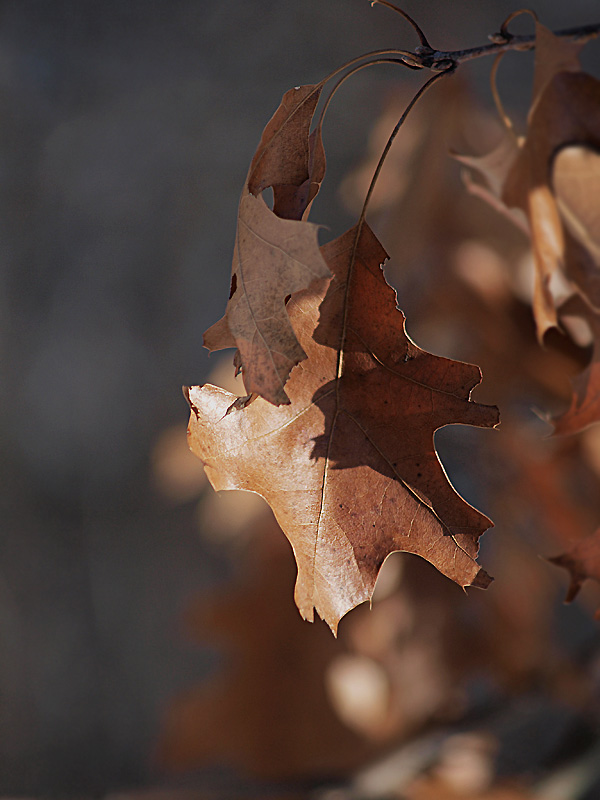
(126, 129)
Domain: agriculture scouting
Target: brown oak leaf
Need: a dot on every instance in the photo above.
(349, 467)
(585, 403)
(273, 258)
(583, 562)
(276, 253)
(288, 159)
(576, 181)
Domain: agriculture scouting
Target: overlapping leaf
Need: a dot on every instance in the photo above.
(273, 258)
(287, 159)
(276, 252)
(350, 467)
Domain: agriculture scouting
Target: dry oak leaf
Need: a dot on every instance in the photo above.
(275, 253)
(288, 159)
(583, 562)
(585, 403)
(349, 467)
(273, 258)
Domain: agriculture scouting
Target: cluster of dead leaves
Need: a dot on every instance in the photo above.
(552, 177)
(548, 182)
(336, 431)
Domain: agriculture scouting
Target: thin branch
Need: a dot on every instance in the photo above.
(440, 59)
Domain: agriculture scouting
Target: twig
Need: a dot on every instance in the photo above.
(442, 59)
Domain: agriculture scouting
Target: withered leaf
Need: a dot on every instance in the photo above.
(583, 562)
(287, 158)
(495, 165)
(585, 403)
(293, 202)
(576, 181)
(565, 109)
(273, 258)
(349, 467)
(494, 168)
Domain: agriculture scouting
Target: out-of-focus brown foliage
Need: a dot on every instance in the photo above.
(518, 172)
(436, 789)
(434, 682)
(583, 562)
(266, 711)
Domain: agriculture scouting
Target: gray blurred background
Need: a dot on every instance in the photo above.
(126, 128)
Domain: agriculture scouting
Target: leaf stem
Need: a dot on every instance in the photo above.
(425, 57)
(506, 120)
(410, 20)
(351, 72)
(361, 219)
(392, 136)
(407, 58)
